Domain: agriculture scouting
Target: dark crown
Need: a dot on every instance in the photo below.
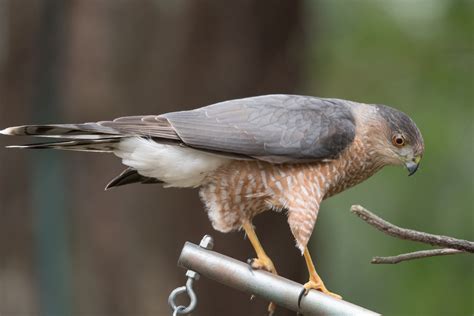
(400, 122)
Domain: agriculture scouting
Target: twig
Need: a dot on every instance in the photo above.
(415, 255)
(453, 245)
(403, 233)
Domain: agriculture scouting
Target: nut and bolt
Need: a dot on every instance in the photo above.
(207, 242)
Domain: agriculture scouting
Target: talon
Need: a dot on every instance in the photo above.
(249, 265)
(300, 297)
(271, 308)
(262, 264)
(319, 286)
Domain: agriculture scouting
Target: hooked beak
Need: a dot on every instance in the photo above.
(412, 165)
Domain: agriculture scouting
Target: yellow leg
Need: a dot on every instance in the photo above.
(315, 281)
(262, 262)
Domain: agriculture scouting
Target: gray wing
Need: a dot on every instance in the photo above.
(275, 128)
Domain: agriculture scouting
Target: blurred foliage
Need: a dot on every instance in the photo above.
(416, 56)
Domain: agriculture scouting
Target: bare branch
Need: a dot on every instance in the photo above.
(454, 245)
(415, 255)
(408, 234)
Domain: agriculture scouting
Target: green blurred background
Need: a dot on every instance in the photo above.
(69, 248)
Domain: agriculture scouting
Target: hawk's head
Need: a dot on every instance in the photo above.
(403, 141)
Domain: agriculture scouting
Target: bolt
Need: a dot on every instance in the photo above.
(207, 242)
(192, 274)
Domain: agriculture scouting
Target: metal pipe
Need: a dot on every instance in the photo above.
(283, 292)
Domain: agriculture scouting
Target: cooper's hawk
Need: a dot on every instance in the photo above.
(274, 152)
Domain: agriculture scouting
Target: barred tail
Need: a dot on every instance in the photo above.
(80, 137)
(75, 131)
(105, 136)
(94, 145)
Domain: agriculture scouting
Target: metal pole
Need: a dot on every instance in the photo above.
(283, 292)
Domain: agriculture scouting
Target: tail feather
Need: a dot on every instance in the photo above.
(99, 137)
(149, 126)
(129, 176)
(79, 137)
(94, 145)
(77, 131)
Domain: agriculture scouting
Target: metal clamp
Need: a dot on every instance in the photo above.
(207, 242)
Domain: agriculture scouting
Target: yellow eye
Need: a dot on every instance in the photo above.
(398, 140)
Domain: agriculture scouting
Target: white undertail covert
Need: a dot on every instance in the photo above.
(177, 166)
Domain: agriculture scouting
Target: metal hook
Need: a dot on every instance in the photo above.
(188, 288)
(178, 310)
(207, 242)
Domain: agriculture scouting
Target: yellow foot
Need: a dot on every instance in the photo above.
(315, 281)
(264, 263)
(271, 309)
(312, 284)
(315, 285)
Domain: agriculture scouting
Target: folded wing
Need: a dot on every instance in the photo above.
(275, 128)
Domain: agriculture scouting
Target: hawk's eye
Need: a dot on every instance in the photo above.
(398, 140)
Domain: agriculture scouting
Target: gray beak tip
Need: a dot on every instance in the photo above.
(412, 167)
